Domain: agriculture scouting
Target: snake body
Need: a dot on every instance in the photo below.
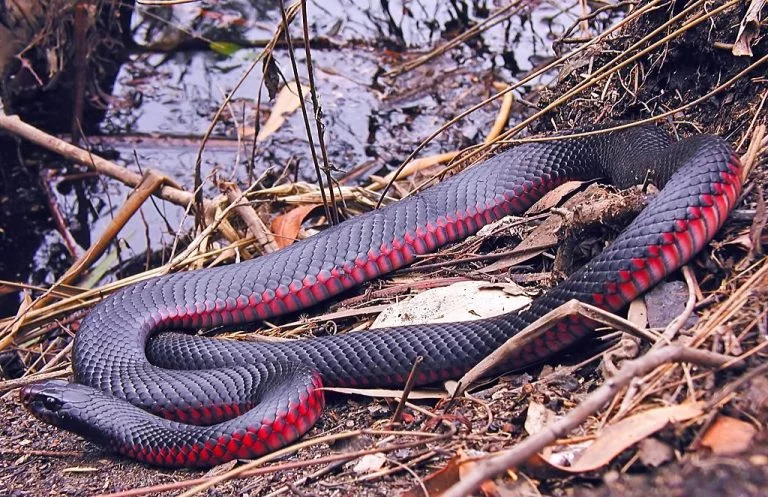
(178, 400)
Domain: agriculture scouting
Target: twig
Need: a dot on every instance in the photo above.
(241, 470)
(303, 105)
(596, 400)
(257, 228)
(155, 489)
(27, 380)
(17, 127)
(677, 324)
(541, 326)
(407, 390)
(318, 113)
(58, 218)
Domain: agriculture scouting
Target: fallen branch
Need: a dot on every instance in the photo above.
(541, 326)
(15, 126)
(597, 399)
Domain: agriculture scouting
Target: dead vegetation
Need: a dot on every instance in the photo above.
(668, 394)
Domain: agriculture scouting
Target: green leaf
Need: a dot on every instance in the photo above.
(225, 47)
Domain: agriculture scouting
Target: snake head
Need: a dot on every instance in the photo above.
(56, 401)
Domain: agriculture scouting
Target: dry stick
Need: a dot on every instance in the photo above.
(26, 380)
(407, 390)
(43, 453)
(606, 70)
(166, 487)
(529, 77)
(495, 18)
(17, 127)
(56, 359)
(755, 149)
(752, 123)
(318, 114)
(58, 217)
(541, 326)
(677, 324)
(64, 291)
(594, 401)
(242, 470)
(310, 139)
(603, 72)
(264, 237)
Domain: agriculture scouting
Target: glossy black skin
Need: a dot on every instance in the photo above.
(119, 352)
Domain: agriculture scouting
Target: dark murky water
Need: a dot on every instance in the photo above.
(164, 102)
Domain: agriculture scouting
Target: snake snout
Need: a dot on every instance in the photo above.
(48, 399)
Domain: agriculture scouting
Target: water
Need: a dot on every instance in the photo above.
(163, 102)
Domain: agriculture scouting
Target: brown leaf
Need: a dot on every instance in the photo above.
(728, 436)
(538, 418)
(441, 480)
(638, 313)
(749, 30)
(616, 438)
(286, 103)
(271, 76)
(554, 197)
(370, 463)
(437, 482)
(654, 452)
(286, 226)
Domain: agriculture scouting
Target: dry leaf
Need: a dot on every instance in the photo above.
(370, 463)
(638, 313)
(538, 417)
(444, 478)
(749, 29)
(437, 482)
(286, 226)
(554, 197)
(728, 436)
(618, 437)
(464, 301)
(286, 103)
(271, 76)
(653, 452)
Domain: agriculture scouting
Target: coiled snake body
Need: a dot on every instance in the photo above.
(199, 401)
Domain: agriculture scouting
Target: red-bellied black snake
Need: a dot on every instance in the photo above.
(242, 399)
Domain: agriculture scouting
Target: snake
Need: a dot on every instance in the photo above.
(147, 388)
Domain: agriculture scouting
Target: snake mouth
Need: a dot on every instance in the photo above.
(46, 400)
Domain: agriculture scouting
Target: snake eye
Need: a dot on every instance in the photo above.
(51, 403)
